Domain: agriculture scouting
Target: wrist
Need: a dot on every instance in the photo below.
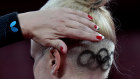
(24, 25)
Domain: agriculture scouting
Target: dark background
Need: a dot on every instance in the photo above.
(15, 60)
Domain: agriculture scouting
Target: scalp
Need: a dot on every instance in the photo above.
(91, 56)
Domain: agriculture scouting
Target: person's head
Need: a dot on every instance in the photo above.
(84, 59)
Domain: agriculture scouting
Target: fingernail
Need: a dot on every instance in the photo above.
(90, 17)
(96, 27)
(100, 37)
(61, 48)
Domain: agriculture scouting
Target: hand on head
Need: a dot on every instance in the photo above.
(78, 63)
(48, 26)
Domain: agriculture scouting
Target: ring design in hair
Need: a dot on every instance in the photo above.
(100, 60)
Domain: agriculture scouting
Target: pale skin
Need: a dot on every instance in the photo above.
(48, 26)
(50, 63)
(44, 68)
(54, 66)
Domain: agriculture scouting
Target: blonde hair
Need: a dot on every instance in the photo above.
(101, 16)
(104, 20)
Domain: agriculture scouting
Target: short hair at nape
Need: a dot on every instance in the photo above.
(90, 56)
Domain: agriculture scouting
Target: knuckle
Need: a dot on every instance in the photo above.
(85, 34)
(60, 29)
(57, 44)
(90, 22)
(74, 16)
(77, 18)
(76, 12)
(46, 42)
(87, 22)
(78, 25)
(62, 21)
(83, 20)
(79, 33)
(84, 27)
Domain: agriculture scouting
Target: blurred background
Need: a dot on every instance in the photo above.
(15, 60)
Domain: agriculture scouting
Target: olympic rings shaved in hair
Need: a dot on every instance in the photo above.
(100, 60)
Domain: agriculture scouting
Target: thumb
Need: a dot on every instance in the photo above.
(58, 44)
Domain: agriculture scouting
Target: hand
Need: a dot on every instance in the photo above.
(48, 26)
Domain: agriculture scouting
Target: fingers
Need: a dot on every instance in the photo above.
(56, 43)
(82, 18)
(79, 34)
(63, 23)
(77, 25)
(84, 21)
(77, 12)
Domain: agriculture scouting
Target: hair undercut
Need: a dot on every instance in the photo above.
(86, 55)
(90, 56)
